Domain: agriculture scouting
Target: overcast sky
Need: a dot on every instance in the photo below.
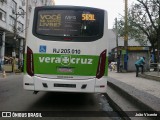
(114, 7)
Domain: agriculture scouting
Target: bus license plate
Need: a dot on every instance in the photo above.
(65, 70)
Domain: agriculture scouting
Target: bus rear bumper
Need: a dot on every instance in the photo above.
(61, 85)
(28, 82)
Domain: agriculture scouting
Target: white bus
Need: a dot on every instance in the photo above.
(66, 50)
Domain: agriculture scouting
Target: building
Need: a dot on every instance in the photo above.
(14, 20)
(30, 4)
(12, 29)
(135, 51)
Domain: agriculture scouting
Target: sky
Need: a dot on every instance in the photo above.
(115, 8)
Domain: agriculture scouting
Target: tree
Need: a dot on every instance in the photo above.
(143, 22)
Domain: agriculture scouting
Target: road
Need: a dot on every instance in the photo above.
(14, 98)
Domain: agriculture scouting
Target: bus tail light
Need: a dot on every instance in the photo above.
(101, 65)
(30, 67)
(67, 39)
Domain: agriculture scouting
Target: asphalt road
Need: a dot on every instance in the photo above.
(82, 106)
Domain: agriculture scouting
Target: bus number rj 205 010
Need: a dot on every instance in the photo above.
(67, 51)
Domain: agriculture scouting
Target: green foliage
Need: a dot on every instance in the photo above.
(143, 22)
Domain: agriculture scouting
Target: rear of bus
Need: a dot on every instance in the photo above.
(66, 50)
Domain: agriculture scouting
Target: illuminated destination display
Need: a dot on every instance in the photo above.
(88, 17)
(50, 20)
(67, 23)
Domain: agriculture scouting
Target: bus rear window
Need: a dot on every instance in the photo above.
(71, 23)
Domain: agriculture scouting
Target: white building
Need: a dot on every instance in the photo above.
(12, 26)
(30, 4)
(135, 50)
(14, 19)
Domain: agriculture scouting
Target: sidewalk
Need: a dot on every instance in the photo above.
(8, 74)
(150, 86)
(151, 75)
(141, 91)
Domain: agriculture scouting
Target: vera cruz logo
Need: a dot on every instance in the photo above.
(66, 60)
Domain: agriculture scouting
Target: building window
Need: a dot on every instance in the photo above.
(34, 1)
(3, 1)
(43, 2)
(12, 21)
(2, 15)
(13, 6)
(21, 11)
(20, 26)
(23, 2)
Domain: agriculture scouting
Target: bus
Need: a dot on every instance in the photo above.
(66, 50)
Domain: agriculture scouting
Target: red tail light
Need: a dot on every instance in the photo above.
(67, 39)
(30, 67)
(101, 65)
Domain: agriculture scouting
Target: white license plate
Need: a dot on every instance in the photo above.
(65, 70)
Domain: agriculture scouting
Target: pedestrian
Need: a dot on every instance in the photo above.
(110, 67)
(140, 63)
(113, 67)
(0, 64)
(118, 63)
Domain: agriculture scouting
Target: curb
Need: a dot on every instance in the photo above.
(150, 77)
(130, 97)
(146, 103)
(117, 108)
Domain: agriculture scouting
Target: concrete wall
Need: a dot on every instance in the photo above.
(133, 56)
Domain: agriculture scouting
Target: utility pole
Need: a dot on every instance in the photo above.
(27, 13)
(118, 57)
(15, 39)
(158, 42)
(126, 36)
(14, 42)
(126, 25)
(45, 3)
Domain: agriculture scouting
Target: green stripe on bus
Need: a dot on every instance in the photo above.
(106, 70)
(25, 68)
(64, 64)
